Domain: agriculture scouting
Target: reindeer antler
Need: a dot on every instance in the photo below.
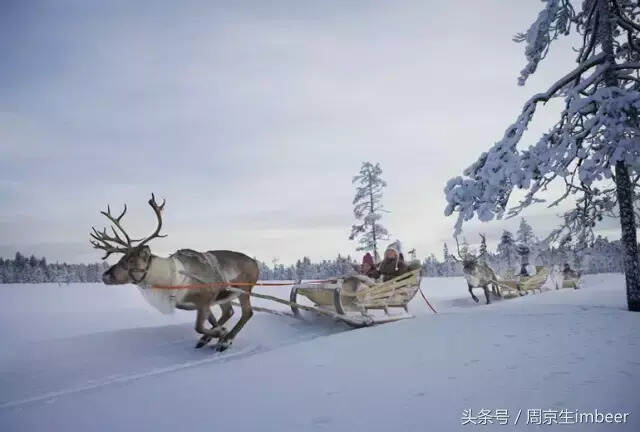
(458, 248)
(467, 254)
(102, 240)
(157, 209)
(116, 243)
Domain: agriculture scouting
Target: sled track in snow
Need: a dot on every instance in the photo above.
(216, 358)
(234, 353)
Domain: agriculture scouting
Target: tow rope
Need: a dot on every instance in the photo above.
(232, 284)
(427, 301)
(241, 284)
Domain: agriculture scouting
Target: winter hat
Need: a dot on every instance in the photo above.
(396, 246)
(367, 259)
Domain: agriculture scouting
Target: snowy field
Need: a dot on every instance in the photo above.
(87, 357)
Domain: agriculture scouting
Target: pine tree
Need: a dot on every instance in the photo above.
(593, 148)
(507, 250)
(525, 234)
(368, 208)
(483, 249)
(464, 247)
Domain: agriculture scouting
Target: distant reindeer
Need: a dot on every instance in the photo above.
(478, 274)
(183, 268)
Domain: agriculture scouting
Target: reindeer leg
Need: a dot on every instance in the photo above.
(207, 334)
(486, 292)
(473, 296)
(245, 305)
(212, 319)
(494, 290)
(227, 312)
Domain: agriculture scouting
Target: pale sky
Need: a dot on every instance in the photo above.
(251, 118)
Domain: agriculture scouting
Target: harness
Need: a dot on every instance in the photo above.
(145, 270)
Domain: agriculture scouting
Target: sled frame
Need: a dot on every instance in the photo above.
(526, 284)
(353, 308)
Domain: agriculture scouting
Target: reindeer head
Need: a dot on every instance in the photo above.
(136, 260)
(469, 263)
(469, 260)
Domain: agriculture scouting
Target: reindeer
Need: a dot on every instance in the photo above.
(478, 274)
(218, 268)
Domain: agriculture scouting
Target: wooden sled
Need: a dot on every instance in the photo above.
(571, 283)
(568, 282)
(352, 302)
(509, 287)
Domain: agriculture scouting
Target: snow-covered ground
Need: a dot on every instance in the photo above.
(86, 357)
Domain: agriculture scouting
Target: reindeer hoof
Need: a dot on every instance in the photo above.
(222, 345)
(475, 299)
(203, 341)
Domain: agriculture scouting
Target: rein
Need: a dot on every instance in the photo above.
(230, 284)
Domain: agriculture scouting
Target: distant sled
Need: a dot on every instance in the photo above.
(571, 282)
(515, 285)
(565, 279)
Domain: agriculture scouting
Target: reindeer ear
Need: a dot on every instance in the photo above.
(145, 251)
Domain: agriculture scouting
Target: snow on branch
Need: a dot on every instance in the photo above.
(594, 132)
(599, 126)
(553, 20)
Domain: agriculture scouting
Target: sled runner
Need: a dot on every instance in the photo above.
(351, 299)
(509, 287)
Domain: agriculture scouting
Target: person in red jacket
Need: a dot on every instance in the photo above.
(368, 267)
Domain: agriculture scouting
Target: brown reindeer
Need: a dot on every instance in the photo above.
(186, 268)
(478, 274)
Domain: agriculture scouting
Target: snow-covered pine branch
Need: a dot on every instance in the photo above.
(597, 138)
(552, 21)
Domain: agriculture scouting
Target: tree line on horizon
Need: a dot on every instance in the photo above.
(21, 269)
(602, 256)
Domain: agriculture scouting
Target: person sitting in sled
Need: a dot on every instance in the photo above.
(569, 273)
(368, 267)
(393, 264)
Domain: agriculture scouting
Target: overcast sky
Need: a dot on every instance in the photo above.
(251, 118)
